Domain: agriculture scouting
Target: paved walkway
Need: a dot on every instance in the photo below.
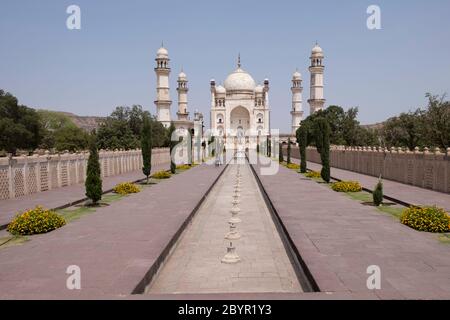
(114, 247)
(338, 238)
(195, 265)
(407, 193)
(61, 196)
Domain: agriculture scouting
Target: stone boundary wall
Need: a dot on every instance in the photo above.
(25, 175)
(425, 169)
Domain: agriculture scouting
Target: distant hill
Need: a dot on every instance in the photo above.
(375, 126)
(87, 123)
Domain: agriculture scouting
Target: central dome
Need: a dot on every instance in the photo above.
(239, 80)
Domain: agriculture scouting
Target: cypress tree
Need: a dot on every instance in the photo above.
(172, 144)
(146, 146)
(93, 183)
(302, 139)
(378, 193)
(280, 153)
(322, 133)
(289, 151)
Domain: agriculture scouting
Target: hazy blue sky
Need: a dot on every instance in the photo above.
(110, 61)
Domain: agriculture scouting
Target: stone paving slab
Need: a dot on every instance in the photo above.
(61, 196)
(114, 247)
(407, 193)
(338, 238)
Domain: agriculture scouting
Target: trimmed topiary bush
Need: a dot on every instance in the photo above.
(172, 144)
(280, 153)
(35, 221)
(313, 174)
(288, 160)
(302, 140)
(378, 193)
(346, 186)
(125, 188)
(93, 183)
(322, 133)
(162, 175)
(430, 219)
(146, 146)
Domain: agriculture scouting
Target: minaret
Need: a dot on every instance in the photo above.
(163, 101)
(297, 109)
(182, 96)
(316, 100)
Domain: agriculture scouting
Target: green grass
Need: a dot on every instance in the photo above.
(108, 198)
(366, 197)
(445, 238)
(75, 213)
(10, 241)
(359, 196)
(395, 211)
(71, 214)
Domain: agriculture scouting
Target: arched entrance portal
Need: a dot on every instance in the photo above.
(239, 125)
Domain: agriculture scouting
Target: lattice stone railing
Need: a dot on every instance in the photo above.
(24, 175)
(428, 169)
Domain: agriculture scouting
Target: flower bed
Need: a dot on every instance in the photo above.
(125, 188)
(183, 167)
(431, 219)
(346, 186)
(313, 174)
(293, 166)
(35, 221)
(162, 175)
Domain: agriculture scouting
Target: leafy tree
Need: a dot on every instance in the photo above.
(378, 193)
(280, 153)
(344, 127)
(71, 138)
(322, 130)
(407, 129)
(146, 146)
(173, 166)
(122, 129)
(93, 183)
(289, 151)
(61, 133)
(437, 119)
(19, 125)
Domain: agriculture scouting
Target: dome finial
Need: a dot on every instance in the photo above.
(239, 60)
(162, 43)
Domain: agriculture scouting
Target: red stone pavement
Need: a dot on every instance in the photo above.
(61, 196)
(338, 238)
(114, 247)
